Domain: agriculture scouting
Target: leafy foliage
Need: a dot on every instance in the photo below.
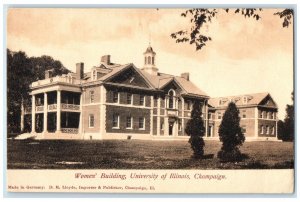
(231, 135)
(287, 15)
(195, 128)
(286, 128)
(21, 72)
(200, 17)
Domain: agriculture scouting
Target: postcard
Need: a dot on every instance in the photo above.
(150, 100)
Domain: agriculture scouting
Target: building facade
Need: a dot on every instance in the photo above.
(115, 101)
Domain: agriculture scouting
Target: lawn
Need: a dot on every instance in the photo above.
(139, 154)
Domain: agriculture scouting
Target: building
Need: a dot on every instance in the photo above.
(258, 115)
(115, 101)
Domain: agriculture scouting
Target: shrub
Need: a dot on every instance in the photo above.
(195, 129)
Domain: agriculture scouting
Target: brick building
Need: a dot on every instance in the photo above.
(115, 101)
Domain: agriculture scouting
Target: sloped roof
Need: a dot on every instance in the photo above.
(114, 71)
(254, 99)
(161, 80)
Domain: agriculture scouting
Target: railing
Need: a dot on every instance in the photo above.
(39, 108)
(70, 130)
(52, 107)
(70, 106)
(62, 79)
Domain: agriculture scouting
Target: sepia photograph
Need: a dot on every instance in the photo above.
(150, 89)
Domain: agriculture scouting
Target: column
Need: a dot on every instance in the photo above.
(182, 121)
(151, 115)
(45, 113)
(33, 114)
(206, 115)
(80, 117)
(22, 116)
(256, 122)
(158, 116)
(58, 114)
(276, 129)
(103, 111)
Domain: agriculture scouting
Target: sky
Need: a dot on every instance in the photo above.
(245, 56)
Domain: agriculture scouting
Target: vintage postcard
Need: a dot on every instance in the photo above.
(150, 100)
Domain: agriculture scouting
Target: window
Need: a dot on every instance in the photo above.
(129, 98)
(270, 115)
(141, 123)
(145, 60)
(273, 130)
(245, 99)
(94, 75)
(179, 125)
(91, 121)
(142, 100)
(171, 99)
(244, 129)
(188, 105)
(274, 115)
(153, 60)
(209, 116)
(244, 114)
(162, 125)
(149, 60)
(267, 130)
(115, 97)
(219, 115)
(92, 96)
(261, 114)
(129, 122)
(261, 129)
(116, 121)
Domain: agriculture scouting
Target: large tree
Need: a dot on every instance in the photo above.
(286, 128)
(21, 72)
(199, 18)
(195, 129)
(231, 135)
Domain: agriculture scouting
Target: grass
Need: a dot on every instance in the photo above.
(139, 154)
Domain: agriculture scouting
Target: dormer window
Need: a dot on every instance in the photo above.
(245, 100)
(94, 75)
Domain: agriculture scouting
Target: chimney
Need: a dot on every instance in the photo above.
(105, 59)
(48, 74)
(186, 76)
(79, 70)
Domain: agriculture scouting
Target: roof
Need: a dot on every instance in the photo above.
(149, 50)
(161, 80)
(253, 99)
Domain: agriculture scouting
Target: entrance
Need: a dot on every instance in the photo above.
(171, 128)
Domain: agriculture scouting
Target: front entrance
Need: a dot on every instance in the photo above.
(171, 128)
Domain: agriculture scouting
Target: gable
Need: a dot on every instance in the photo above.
(129, 77)
(268, 102)
(173, 85)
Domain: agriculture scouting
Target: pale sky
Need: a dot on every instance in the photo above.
(245, 56)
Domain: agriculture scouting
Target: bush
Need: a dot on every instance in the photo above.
(231, 135)
(195, 128)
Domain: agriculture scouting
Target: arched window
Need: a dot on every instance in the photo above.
(153, 60)
(171, 99)
(149, 60)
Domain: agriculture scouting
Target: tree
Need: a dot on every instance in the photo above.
(21, 72)
(200, 17)
(231, 135)
(286, 128)
(195, 129)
